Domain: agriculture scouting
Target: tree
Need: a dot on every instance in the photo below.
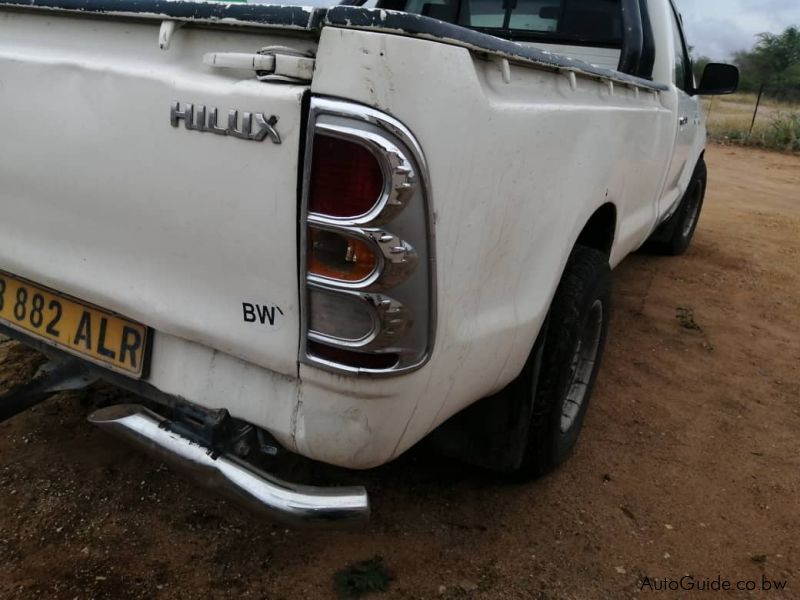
(774, 61)
(779, 52)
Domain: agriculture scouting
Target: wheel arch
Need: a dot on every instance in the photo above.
(600, 230)
(489, 432)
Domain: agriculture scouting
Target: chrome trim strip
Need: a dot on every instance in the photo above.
(365, 114)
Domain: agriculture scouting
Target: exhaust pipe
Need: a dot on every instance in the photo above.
(292, 504)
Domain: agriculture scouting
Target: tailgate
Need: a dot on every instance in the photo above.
(102, 198)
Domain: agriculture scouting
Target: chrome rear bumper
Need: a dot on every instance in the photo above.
(292, 504)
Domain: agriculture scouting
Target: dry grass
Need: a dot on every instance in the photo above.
(777, 124)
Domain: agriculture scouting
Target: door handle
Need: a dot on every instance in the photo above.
(683, 121)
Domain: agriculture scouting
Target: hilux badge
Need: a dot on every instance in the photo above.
(253, 126)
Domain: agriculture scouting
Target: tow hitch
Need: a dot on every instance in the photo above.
(50, 379)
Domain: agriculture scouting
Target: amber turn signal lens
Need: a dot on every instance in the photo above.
(340, 257)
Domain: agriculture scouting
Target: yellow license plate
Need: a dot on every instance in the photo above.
(91, 332)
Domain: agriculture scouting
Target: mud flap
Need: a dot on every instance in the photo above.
(493, 432)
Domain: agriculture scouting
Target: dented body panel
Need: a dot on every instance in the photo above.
(106, 201)
(108, 196)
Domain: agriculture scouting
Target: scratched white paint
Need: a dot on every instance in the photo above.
(516, 169)
(104, 200)
(107, 201)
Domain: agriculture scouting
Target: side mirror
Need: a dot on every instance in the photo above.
(718, 79)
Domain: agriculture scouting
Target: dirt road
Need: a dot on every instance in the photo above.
(689, 461)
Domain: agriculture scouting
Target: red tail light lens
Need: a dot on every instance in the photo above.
(354, 359)
(346, 178)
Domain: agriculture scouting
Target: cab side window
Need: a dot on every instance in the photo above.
(681, 58)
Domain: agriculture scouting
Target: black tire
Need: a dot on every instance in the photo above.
(675, 235)
(573, 319)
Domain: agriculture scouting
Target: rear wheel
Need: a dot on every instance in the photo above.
(573, 347)
(532, 425)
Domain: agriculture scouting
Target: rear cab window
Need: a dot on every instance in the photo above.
(576, 22)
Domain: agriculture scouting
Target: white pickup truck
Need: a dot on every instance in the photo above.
(337, 230)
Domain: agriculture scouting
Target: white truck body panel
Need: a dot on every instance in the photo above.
(493, 290)
(104, 200)
(167, 226)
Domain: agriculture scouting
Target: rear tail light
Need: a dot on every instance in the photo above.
(368, 301)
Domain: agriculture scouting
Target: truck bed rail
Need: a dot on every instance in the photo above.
(313, 19)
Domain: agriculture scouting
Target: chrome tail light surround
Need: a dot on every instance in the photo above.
(400, 293)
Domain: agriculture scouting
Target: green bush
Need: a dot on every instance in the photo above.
(774, 61)
(783, 133)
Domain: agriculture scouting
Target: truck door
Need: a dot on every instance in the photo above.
(688, 113)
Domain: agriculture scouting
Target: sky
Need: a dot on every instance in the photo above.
(717, 28)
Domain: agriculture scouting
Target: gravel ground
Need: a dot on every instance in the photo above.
(689, 461)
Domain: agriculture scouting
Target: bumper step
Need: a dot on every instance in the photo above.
(289, 503)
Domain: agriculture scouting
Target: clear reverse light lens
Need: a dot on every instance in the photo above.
(342, 317)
